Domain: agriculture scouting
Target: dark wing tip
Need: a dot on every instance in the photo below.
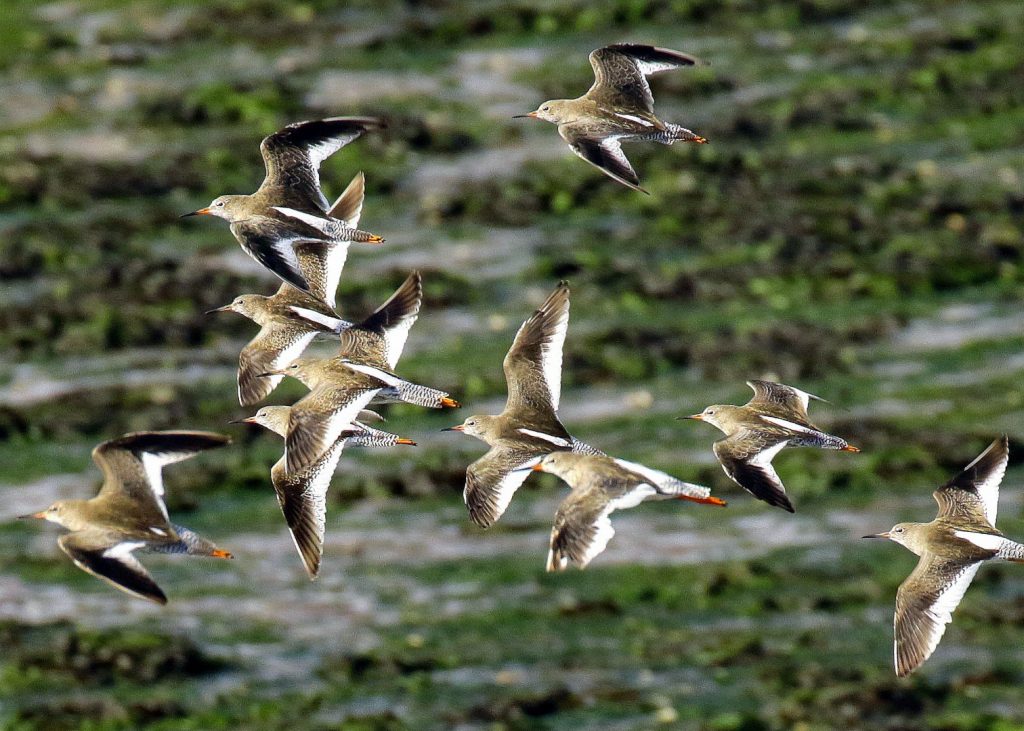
(653, 54)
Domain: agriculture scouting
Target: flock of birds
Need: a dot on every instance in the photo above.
(289, 227)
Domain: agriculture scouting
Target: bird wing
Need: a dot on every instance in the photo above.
(321, 264)
(747, 457)
(110, 559)
(317, 420)
(606, 155)
(778, 396)
(293, 155)
(493, 479)
(533, 365)
(620, 73)
(270, 243)
(582, 528)
(303, 500)
(393, 319)
(924, 606)
(275, 346)
(974, 492)
(132, 466)
(349, 205)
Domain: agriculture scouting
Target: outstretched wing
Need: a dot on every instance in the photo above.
(392, 320)
(533, 365)
(606, 155)
(303, 500)
(974, 492)
(293, 155)
(582, 528)
(98, 554)
(493, 479)
(318, 419)
(620, 73)
(271, 244)
(924, 606)
(132, 465)
(275, 346)
(747, 457)
(782, 398)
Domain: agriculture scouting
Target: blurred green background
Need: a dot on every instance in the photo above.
(854, 228)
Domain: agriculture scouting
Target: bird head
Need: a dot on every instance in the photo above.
(274, 418)
(554, 111)
(55, 513)
(907, 535)
(246, 305)
(718, 415)
(475, 426)
(227, 207)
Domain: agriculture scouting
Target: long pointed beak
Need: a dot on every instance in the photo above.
(877, 535)
(531, 115)
(695, 417)
(225, 308)
(200, 212)
(246, 420)
(39, 516)
(268, 374)
(459, 427)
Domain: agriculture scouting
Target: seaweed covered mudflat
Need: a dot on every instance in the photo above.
(854, 227)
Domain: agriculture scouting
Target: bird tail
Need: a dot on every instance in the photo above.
(678, 133)
(1011, 551)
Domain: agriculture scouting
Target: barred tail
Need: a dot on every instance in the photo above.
(1011, 551)
(413, 393)
(190, 543)
(367, 436)
(678, 133)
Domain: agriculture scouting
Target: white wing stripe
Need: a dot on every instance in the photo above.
(557, 441)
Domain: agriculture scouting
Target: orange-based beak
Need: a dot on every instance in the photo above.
(246, 420)
(200, 212)
(459, 427)
(538, 467)
(403, 440)
(225, 308)
(221, 553)
(695, 417)
(531, 115)
(41, 515)
(709, 500)
(877, 535)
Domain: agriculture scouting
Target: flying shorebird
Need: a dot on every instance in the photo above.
(283, 335)
(128, 513)
(528, 428)
(303, 495)
(774, 418)
(374, 345)
(951, 548)
(268, 222)
(618, 107)
(600, 485)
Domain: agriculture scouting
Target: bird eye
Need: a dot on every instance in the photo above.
(545, 109)
(709, 412)
(897, 530)
(219, 203)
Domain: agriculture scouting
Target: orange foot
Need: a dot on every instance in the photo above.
(709, 500)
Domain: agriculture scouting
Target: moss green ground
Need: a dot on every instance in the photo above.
(854, 228)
